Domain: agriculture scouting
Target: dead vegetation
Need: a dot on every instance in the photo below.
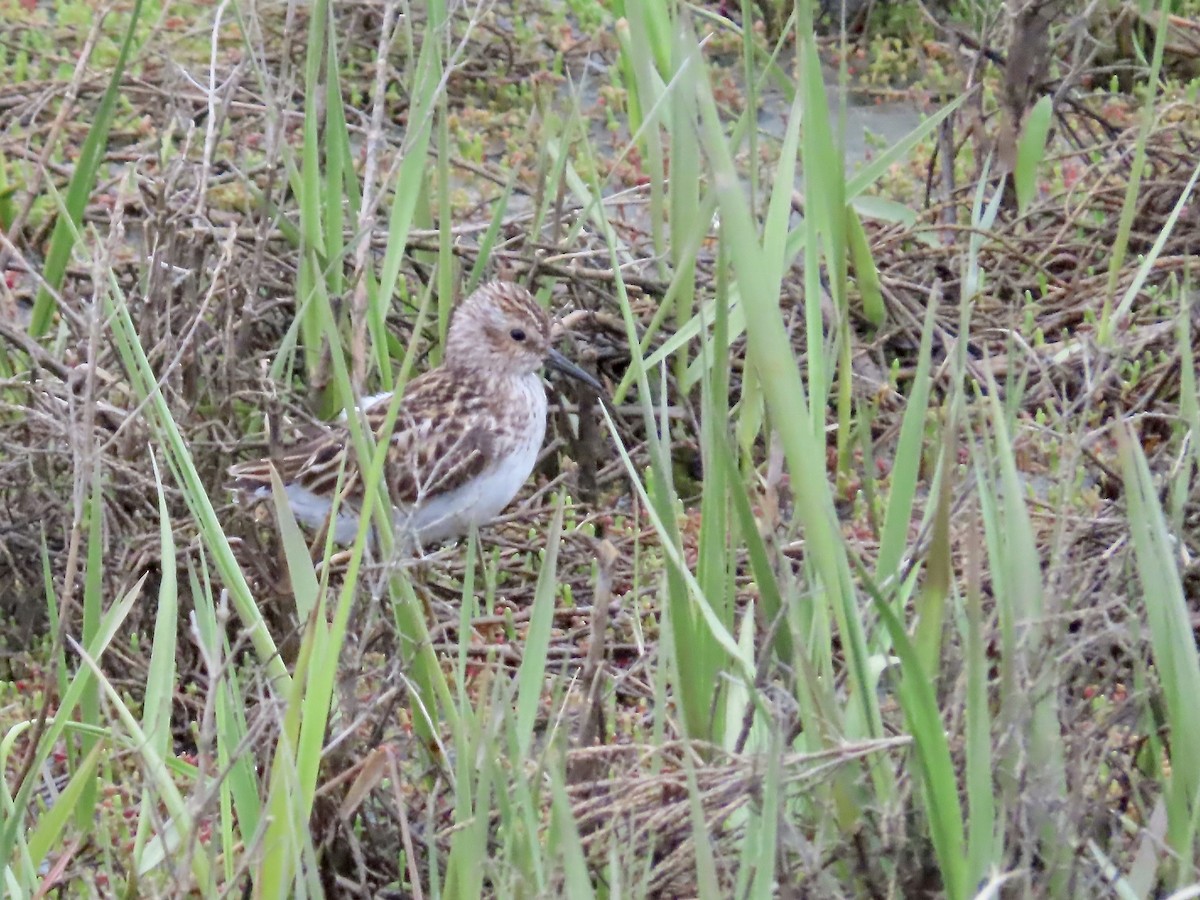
(193, 238)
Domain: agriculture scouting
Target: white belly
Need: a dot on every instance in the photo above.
(484, 497)
(452, 514)
(472, 504)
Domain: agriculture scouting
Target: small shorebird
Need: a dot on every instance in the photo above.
(465, 440)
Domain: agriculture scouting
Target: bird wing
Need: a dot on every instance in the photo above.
(443, 437)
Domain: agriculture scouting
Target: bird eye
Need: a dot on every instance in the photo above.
(517, 334)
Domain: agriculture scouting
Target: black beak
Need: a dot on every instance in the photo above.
(556, 360)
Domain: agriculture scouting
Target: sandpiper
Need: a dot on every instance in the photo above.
(465, 440)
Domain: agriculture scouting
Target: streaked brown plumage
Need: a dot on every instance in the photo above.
(465, 439)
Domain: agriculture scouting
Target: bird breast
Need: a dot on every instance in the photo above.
(520, 429)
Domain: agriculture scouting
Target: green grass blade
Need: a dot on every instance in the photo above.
(93, 602)
(759, 276)
(564, 842)
(866, 274)
(145, 384)
(531, 674)
(181, 822)
(1137, 168)
(11, 821)
(1176, 660)
(53, 822)
(161, 682)
(1031, 150)
(1150, 258)
(932, 754)
(906, 466)
(91, 155)
(983, 844)
(239, 790)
